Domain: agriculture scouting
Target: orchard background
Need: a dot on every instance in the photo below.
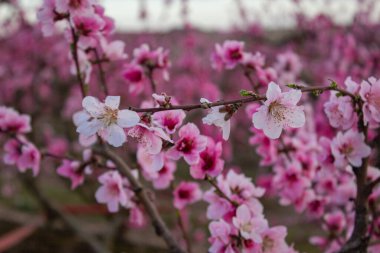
(260, 137)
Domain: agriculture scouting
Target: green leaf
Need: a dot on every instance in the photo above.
(246, 93)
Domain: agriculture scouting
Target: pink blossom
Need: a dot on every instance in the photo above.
(335, 221)
(266, 147)
(325, 155)
(291, 182)
(352, 86)
(210, 163)
(105, 119)
(84, 64)
(134, 74)
(266, 75)
(349, 148)
(221, 237)
(186, 193)
(150, 163)
(340, 111)
(253, 61)
(13, 122)
(113, 192)
(250, 227)
(288, 66)
(279, 110)
(229, 54)
(47, 16)
(241, 189)
(72, 170)
(136, 218)
(316, 206)
(274, 240)
(152, 59)
(370, 93)
(23, 154)
(89, 26)
(63, 6)
(170, 121)
(114, 50)
(218, 207)
(109, 23)
(189, 145)
(150, 138)
(165, 175)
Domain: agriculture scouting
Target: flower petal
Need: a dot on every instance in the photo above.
(80, 117)
(127, 118)
(296, 117)
(115, 135)
(273, 91)
(291, 97)
(89, 128)
(92, 106)
(112, 101)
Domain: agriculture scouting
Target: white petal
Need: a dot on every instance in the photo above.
(259, 118)
(112, 101)
(296, 118)
(243, 214)
(273, 91)
(226, 130)
(80, 117)
(292, 97)
(273, 129)
(92, 106)
(115, 135)
(355, 161)
(89, 128)
(127, 118)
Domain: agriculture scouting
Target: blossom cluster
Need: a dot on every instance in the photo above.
(18, 150)
(315, 172)
(316, 148)
(86, 28)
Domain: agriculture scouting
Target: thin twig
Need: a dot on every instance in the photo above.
(74, 53)
(53, 212)
(358, 241)
(253, 98)
(102, 77)
(153, 84)
(219, 191)
(157, 221)
(197, 106)
(184, 232)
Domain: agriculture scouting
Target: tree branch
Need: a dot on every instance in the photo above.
(102, 77)
(157, 221)
(53, 212)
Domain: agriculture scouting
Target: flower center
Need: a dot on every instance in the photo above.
(346, 149)
(235, 54)
(277, 111)
(375, 99)
(268, 243)
(247, 227)
(114, 189)
(75, 3)
(185, 146)
(109, 116)
(183, 194)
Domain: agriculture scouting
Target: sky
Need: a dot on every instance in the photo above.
(212, 14)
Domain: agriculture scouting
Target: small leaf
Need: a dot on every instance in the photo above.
(333, 85)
